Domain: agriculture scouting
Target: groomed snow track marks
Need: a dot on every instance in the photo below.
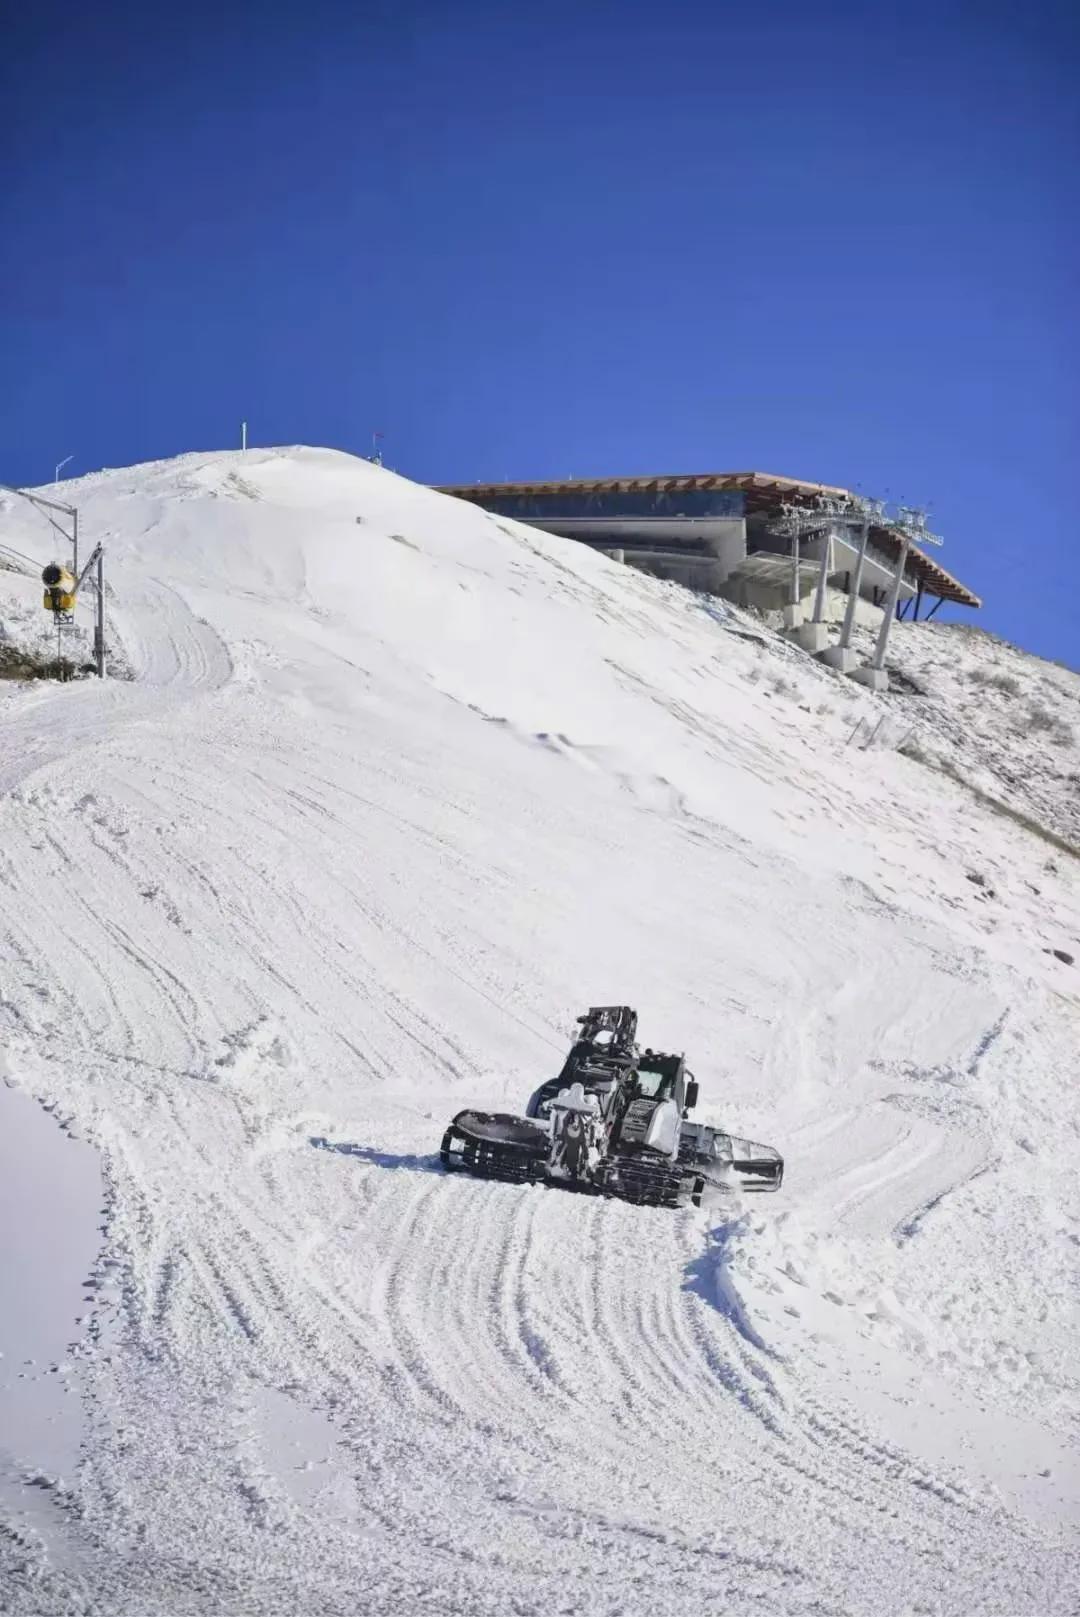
(165, 642)
(323, 1376)
(173, 655)
(531, 1346)
(459, 1310)
(471, 1335)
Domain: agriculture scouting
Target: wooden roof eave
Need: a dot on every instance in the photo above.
(763, 491)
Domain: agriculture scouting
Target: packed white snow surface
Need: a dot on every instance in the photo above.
(397, 791)
(50, 1199)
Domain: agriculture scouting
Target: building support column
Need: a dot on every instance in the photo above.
(841, 655)
(856, 584)
(793, 614)
(814, 636)
(878, 659)
(873, 674)
(820, 594)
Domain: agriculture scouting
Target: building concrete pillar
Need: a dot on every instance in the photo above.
(873, 673)
(841, 656)
(814, 636)
(821, 596)
(853, 591)
(878, 660)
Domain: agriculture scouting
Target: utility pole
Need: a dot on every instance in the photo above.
(96, 565)
(243, 435)
(60, 466)
(99, 622)
(53, 505)
(61, 597)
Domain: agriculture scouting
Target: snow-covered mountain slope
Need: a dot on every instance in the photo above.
(397, 789)
(995, 717)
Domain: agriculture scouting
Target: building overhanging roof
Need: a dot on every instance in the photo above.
(763, 492)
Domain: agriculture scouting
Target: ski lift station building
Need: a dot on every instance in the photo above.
(718, 532)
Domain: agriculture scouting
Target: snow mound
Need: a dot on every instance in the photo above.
(397, 789)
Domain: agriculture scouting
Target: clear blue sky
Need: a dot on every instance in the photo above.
(833, 241)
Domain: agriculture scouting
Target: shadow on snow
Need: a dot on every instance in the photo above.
(381, 1159)
(709, 1277)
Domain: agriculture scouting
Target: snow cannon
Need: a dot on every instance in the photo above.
(615, 1123)
(60, 585)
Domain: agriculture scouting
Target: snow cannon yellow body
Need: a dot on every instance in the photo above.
(59, 588)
